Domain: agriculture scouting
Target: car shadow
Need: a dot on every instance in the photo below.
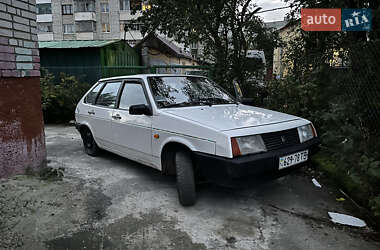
(144, 171)
(254, 187)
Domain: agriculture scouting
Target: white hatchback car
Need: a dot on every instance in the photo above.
(189, 127)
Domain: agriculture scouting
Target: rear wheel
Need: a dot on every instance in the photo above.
(185, 178)
(90, 146)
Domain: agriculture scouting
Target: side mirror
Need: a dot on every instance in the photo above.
(140, 109)
(247, 101)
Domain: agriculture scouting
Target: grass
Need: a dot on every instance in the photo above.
(354, 185)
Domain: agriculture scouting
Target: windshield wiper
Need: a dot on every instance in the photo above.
(216, 100)
(185, 104)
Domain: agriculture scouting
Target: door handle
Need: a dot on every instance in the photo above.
(116, 117)
(91, 112)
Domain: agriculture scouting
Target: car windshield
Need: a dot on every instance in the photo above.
(180, 91)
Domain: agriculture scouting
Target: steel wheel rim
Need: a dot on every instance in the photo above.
(88, 140)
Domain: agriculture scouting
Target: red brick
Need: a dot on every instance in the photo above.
(33, 73)
(35, 52)
(36, 59)
(7, 65)
(6, 49)
(7, 57)
(22, 143)
(10, 73)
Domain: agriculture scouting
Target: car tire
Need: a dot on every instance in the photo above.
(89, 144)
(185, 178)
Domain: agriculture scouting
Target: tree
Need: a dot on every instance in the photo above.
(225, 28)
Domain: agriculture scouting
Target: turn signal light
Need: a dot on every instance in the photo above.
(314, 131)
(235, 147)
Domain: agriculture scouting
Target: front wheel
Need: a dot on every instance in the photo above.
(90, 146)
(185, 178)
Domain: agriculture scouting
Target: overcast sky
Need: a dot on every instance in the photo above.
(277, 15)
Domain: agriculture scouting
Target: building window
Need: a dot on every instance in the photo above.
(146, 6)
(106, 27)
(85, 26)
(108, 95)
(68, 28)
(67, 9)
(85, 6)
(131, 25)
(194, 45)
(124, 4)
(44, 27)
(44, 8)
(104, 7)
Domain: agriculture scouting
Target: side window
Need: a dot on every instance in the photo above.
(90, 98)
(133, 94)
(108, 95)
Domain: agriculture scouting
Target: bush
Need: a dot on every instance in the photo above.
(60, 96)
(350, 141)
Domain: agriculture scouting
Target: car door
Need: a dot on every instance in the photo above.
(133, 133)
(85, 111)
(102, 114)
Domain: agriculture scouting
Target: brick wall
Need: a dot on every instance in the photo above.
(19, 55)
(22, 140)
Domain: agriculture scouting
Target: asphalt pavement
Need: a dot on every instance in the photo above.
(108, 202)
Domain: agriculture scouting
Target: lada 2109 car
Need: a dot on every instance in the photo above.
(190, 127)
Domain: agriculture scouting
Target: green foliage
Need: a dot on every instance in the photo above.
(350, 142)
(375, 205)
(226, 29)
(59, 99)
(343, 102)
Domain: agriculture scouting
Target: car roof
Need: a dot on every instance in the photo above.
(145, 76)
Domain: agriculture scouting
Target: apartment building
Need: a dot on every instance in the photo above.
(89, 19)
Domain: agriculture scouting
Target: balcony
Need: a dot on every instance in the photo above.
(45, 18)
(85, 36)
(42, 1)
(45, 36)
(127, 15)
(131, 35)
(85, 16)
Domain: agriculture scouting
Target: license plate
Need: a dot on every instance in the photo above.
(293, 159)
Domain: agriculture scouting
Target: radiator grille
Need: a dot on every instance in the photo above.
(281, 139)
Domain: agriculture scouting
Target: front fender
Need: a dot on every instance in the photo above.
(179, 140)
(194, 144)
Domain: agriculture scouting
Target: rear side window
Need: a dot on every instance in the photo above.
(90, 98)
(108, 95)
(133, 94)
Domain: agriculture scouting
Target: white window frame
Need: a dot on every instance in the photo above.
(39, 25)
(67, 5)
(106, 28)
(102, 4)
(72, 29)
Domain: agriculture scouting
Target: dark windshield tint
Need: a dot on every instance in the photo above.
(174, 91)
(108, 95)
(90, 98)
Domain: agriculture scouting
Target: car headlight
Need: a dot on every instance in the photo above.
(306, 132)
(247, 145)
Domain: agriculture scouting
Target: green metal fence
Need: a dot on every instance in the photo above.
(182, 69)
(92, 74)
(89, 74)
(111, 71)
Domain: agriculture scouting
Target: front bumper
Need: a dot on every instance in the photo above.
(227, 170)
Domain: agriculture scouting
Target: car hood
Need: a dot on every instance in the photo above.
(229, 117)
